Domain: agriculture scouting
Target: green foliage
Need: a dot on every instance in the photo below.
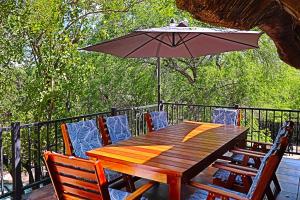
(43, 75)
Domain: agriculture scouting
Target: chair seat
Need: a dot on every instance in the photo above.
(111, 175)
(223, 175)
(202, 194)
(120, 195)
(238, 158)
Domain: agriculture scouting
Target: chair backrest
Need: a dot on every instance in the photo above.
(80, 137)
(264, 175)
(286, 129)
(156, 120)
(75, 178)
(270, 163)
(226, 116)
(114, 129)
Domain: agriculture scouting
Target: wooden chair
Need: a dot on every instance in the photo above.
(244, 156)
(227, 177)
(259, 187)
(226, 116)
(115, 129)
(156, 120)
(75, 134)
(76, 178)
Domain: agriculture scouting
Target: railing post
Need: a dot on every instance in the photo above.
(160, 106)
(236, 106)
(1, 164)
(16, 160)
(113, 111)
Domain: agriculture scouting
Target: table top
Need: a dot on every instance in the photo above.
(182, 150)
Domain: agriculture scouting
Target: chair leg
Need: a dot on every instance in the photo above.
(130, 187)
(269, 193)
(276, 183)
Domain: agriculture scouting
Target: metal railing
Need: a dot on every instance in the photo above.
(263, 123)
(21, 145)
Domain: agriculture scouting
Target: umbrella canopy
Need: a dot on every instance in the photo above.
(177, 41)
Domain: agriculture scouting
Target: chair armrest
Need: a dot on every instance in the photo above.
(247, 154)
(216, 191)
(244, 168)
(250, 151)
(235, 170)
(139, 192)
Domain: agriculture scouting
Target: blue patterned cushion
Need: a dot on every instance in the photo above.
(119, 194)
(259, 172)
(84, 136)
(281, 132)
(159, 120)
(118, 128)
(238, 158)
(225, 116)
(223, 175)
(111, 175)
(202, 194)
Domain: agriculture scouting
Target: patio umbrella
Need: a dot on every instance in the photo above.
(177, 41)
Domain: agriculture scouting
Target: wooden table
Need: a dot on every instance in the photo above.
(172, 155)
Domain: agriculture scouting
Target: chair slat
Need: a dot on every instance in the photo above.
(67, 170)
(80, 193)
(76, 182)
(70, 197)
(84, 164)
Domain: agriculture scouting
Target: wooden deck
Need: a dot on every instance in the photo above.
(288, 175)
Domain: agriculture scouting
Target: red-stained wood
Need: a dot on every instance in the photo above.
(243, 170)
(148, 120)
(175, 187)
(67, 141)
(70, 180)
(130, 187)
(75, 178)
(177, 152)
(104, 131)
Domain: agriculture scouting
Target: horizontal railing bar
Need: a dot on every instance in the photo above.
(240, 107)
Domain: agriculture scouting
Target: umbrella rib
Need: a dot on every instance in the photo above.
(186, 46)
(182, 39)
(152, 38)
(155, 38)
(113, 40)
(242, 43)
(190, 39)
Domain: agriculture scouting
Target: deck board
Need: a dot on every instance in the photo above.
(288, 175)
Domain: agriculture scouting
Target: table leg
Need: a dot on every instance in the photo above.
(174, 183)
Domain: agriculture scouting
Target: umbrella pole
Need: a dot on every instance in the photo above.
(158, 82)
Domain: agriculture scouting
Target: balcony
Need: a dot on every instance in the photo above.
(22, 145)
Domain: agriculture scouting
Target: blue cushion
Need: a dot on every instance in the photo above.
(223, 175)
(281, 132)
(225, 116)
(159, 120)
(119, 194)
(238, 158)
(111, 175)
(84, 136)
(202, 194)
(118, 128)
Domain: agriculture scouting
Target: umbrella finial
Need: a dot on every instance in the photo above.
(173, 23)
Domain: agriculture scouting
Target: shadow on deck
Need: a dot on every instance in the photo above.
(288, 175)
